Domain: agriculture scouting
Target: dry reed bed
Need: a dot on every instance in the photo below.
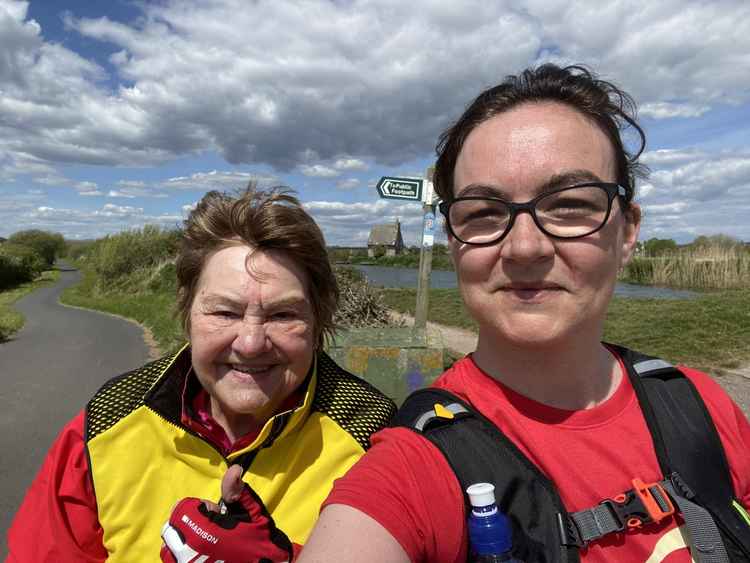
(702, 268)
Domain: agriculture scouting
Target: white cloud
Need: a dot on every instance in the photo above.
(217, 180)
(350, 164)
(334, 88)
(319, 171)
(366, 78)
(110, 209)
(644, 190)
(694, 192)
(377, 78)
(17, 163)
(82, 223)
(348, 184)
(122, 194)
(690, 51)
(87, 188)
(667, 110)
(11, 205)
(131, 184)
(52, 179)
(666, 157)
(666, 208)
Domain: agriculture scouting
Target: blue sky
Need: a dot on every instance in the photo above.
(118, 114)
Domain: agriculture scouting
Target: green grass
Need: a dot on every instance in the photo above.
(445, 305)
(709, 332)
(11, 321)
(153, 309)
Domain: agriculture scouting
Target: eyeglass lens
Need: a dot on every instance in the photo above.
(570, 213)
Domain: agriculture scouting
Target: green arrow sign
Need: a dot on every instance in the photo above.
(400, 188)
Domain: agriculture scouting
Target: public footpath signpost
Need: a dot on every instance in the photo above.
(417, 189)
(395, 187)
(398, 360)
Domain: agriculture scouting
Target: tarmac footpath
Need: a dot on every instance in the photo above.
(48, 372)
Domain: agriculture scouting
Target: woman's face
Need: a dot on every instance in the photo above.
(251, 333)
(529, 288)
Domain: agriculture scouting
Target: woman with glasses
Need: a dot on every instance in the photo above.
(537, 192)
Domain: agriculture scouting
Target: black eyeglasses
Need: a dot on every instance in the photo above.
(569, 212)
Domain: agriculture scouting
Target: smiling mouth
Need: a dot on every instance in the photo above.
(529, 292)
(253, 370)
(530, 287)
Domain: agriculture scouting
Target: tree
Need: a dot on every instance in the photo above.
(440, 249)
(48, 245)
(19, 263)
(715, 241)
(659, 246)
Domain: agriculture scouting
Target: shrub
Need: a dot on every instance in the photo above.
(19, 264)
(78, 249)
(47, 245)
(117, 258)
(163, 278)
(659, 246)
(639, 270)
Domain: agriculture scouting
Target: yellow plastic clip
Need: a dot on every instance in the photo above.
(442, 412)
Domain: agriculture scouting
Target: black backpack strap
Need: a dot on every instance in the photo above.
(691, 456)
(478, 452)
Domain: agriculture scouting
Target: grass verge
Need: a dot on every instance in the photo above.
(154, 310)
(11, 321)
(709, 332)
(446, 306)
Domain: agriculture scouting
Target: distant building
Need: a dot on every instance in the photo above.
(388, 237)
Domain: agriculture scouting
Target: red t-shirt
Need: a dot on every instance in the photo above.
(405, 483)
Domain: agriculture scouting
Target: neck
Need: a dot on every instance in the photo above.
(575, 375)
(234, 426)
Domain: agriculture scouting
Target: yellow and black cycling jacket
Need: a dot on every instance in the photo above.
(143, 460)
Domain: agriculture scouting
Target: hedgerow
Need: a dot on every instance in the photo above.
(19, 264)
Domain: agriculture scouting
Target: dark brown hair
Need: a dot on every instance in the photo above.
(265, 220)
(606, 105)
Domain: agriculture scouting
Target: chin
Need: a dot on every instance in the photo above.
(241, 402)
(536, 332)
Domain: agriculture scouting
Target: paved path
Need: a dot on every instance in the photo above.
(457, 340)
(47, 373)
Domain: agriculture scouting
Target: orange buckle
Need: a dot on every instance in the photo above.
(654, 508)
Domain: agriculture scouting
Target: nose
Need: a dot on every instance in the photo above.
(251, 339)
(526, 242)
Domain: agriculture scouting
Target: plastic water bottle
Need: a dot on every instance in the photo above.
(490, 538)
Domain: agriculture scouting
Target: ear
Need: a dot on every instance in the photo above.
(631, 229)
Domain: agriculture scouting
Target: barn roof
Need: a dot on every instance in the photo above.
(386, 235)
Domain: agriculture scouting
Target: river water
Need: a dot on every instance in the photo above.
(440, 279)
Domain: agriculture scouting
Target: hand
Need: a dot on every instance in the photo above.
(244, 533)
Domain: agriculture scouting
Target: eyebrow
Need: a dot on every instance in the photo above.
(569, 178)
(291, 301)
(216, 300)
(564, 179)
